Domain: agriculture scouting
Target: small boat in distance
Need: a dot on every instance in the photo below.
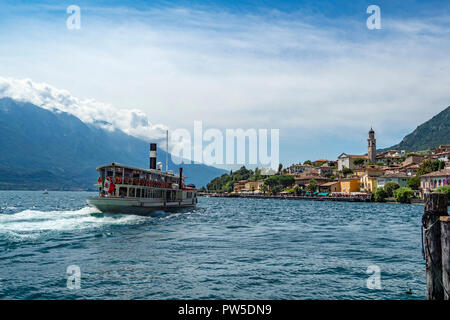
(45, 191)
(131, 190)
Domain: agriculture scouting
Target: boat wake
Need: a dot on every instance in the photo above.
(31, 224)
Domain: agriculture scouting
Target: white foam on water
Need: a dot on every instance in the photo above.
(33, 223)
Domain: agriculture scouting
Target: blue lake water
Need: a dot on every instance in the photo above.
(225, 248)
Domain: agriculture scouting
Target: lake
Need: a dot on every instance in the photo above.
(226, 248)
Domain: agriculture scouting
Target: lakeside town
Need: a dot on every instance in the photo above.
(391, 175)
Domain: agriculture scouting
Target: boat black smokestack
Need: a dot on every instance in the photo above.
(153, 156)
(181, 178)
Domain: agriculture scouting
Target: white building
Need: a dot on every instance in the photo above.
(400, 178)
(346, 161)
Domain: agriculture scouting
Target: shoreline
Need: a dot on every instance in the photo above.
(310, 198)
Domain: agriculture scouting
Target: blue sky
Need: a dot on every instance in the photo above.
(309, 68)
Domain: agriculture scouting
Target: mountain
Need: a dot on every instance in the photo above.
(428, 135)
(56, 150)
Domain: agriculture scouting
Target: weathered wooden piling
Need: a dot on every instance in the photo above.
(435, 207)
(445, 246)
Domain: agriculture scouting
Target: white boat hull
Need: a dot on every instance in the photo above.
(137, 205)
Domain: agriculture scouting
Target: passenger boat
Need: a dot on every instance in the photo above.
(131, 190)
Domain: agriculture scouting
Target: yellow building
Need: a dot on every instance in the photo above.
(350, 185)
(369, 180)
(239, 186)
(252, 186)
(368, 183)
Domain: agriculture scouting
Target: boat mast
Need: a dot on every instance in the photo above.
(167, 150)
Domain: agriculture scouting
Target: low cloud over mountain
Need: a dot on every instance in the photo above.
(131, 121)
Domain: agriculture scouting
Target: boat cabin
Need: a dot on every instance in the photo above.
(120, 181)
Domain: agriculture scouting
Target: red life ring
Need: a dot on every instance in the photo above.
(118, 180)
(136, 181)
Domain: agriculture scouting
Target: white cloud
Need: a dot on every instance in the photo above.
(132, 121)
(306, 75)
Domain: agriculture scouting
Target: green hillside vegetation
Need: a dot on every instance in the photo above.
(429, 135)
(225, 182)
(279, 183)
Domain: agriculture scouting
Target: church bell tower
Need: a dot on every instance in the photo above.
(372, 147)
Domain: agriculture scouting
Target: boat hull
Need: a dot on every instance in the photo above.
(137, 206)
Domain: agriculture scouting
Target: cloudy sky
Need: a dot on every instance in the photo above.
(309, 68)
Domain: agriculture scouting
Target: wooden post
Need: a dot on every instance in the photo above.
(435, 206)
(445, 246)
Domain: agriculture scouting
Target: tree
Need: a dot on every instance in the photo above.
(225, 182)
(283, 181)
(358, 161)
(390, 187)
(312, 186)
(276, 189)
(380, 195)
(346, 171)
(307, 162)
(430, 165)
(280, 167)
(264, 188)
(444, 189)
(271, 181)
(403, 195)
(318, 164)
(286, 180)
(202, 189)
(297, 190)
(414, 183)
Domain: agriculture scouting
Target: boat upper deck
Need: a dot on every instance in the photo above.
(114, 168)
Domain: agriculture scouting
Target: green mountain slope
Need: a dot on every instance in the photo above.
(428, 135)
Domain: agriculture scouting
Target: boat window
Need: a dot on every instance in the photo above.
(138, 193)
(122, 192)
(189, 195)
(132, 192)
